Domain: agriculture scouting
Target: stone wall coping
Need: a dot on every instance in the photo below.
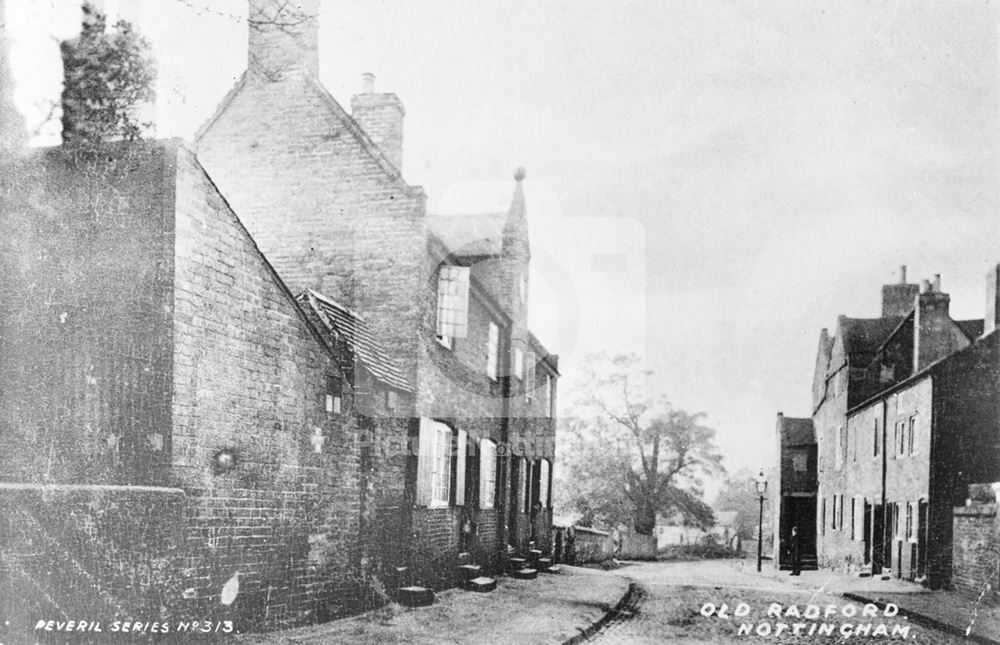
(89, 488)
(976, 510)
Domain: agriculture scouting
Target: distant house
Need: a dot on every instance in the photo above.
(794, 497)
(905, 410)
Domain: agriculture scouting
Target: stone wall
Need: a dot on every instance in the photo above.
(976, 549)
(85, 342)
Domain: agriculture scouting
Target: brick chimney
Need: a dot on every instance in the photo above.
(897, 299)
(934, 334)
(992, 300)
(284, 37)
(381, 116)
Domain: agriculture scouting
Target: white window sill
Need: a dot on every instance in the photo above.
(486, 506)
(437, 504)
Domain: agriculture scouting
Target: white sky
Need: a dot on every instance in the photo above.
(753, 168)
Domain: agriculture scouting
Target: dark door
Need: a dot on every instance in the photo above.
(878, 541)
(922, 541)
(868, 532)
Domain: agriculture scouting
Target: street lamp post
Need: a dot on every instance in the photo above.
(761, 485)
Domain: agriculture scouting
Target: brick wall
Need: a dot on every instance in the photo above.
(326, 211)
(976, 549)
(69, 552)
(250, 377)
(85, 348)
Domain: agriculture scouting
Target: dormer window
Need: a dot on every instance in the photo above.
(452, 304)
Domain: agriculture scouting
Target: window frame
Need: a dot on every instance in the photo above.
(440, 473)
(530, 363)
(487, 473)
(452, 306)
(493, 351)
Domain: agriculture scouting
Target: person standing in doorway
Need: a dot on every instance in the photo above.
(796, 552)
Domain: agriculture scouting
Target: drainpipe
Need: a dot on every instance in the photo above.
(885, 463)
(504, 515)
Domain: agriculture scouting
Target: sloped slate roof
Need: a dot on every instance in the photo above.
(469, 235)
(971, 328)
(352, 329)
(797, 431)
(863, 336)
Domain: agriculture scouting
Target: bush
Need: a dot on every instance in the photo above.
(706, 550)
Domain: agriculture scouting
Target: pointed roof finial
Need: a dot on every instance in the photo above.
(520, 174)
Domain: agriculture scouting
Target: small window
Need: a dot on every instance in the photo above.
(911, 435)
(519, 363)
(877, 439)
(493, 351)
(909, 522)
(487, 473)
(334, 395)
(529, 376)
(800, 461)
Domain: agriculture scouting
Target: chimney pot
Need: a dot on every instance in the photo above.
(937, 282)
(367, 83)
(925, 286)
(902, 274)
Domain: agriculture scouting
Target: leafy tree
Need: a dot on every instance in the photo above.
(12, 132)
(107, 78)
(628, 457)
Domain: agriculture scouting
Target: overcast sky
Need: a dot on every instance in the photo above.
(709, 182)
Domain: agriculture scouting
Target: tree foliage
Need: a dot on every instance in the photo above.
(628, 457)
(107, 79)
(739, 495)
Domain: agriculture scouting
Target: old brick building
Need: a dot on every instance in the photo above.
(280, 376)
(323, 193)
(794, 503)
(166, 405)
(904, 408)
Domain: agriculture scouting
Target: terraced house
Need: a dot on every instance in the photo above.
(322, 191)
(905, 412)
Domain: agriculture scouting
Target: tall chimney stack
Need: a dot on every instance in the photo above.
(897, 299)
(934, 334)
(381, 116)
